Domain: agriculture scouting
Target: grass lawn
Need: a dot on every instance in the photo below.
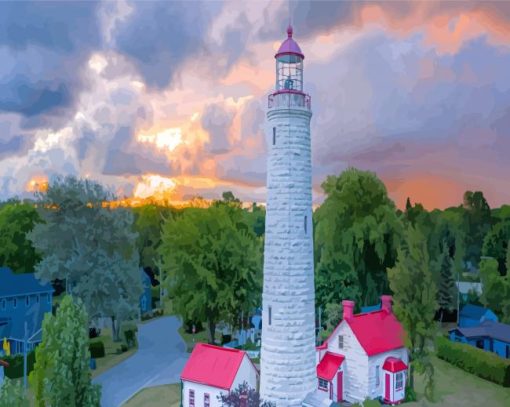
(111, 358)
(455, 387)
(168, 395)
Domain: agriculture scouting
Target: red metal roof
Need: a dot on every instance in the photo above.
(329, 365)
(289, 46)
(393, 365)
(377, 331)
(213, 365)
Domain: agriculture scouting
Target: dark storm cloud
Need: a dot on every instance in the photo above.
(123, 158)
(45, 45)
(217, 122)
(161, 36)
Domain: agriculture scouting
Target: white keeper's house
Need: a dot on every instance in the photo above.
(364, 357)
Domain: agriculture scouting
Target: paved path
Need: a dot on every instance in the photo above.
(159, 360)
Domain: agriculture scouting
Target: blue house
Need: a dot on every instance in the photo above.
(23, 300)
(474, 315)
(370, 308)
(148, 281)
(489, 335)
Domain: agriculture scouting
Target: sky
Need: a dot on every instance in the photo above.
(170, 97)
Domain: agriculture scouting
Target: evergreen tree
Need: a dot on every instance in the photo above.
(414, 296)
(61, 375)
(446, 291)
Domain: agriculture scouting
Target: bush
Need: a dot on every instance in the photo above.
(12, 395)
(15, 369)
(410, 394)
(94, 332)
(473, 360)
(123, 347)
(96, 348)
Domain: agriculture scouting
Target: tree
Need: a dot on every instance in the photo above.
(212, 260)
(243, 396)
(333, 315)
(91, 246)
(478, 222)
(16, 251)
(356, 236)
(61, 375)
(414, 296)
(496, 288)
(12, 394)
(495, 244)
(446, 291)
(148, 221)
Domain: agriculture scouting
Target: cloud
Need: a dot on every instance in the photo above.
(43, 47)
(161, 36)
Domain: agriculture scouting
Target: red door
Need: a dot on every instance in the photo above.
(387, 389)
(340, 386)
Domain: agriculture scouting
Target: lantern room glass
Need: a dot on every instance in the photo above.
(289, 73)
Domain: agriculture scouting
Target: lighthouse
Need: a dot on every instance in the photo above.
(288, 371)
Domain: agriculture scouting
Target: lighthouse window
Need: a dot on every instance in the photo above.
(306, 221)
(269, 314)
(274, 136)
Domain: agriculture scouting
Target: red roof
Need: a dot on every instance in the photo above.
(392, 364)
(213, 365)
(329, 365)
(377, 331)
(289, 46)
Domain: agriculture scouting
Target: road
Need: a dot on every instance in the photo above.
(159, 360)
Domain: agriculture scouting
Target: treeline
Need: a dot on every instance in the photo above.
(210, 259)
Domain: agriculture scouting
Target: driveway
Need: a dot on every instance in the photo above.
(159, 360)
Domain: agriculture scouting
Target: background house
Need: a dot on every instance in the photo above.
(212, 371)
(23, 300)
(473, 315)
(148, 281)
(465, 287)
(489, 335)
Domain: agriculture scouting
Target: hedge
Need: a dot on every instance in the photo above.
(96, 349)
(15, 369)
(473, 360)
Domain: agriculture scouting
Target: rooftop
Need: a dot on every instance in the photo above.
(20, 284)
(289, 46)
(491, 329)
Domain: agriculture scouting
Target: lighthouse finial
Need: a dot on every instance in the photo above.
(289, 31)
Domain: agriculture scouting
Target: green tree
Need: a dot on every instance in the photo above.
(414, 296)
(356, 236)
(333, 315)
(61, 375)
(16, 251)
(91, 246)
(212, 260)
(478, 222)
(495, 244)
(12, 394)
(446, 297)
(496, 288)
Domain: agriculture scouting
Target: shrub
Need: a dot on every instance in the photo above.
(12, 394)
(15, 369)
(476, 361)
(123, 347)
(96, 348)
(94, 332)
(410, 394)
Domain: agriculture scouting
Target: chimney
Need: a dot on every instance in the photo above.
(348, 307)
(386, 303)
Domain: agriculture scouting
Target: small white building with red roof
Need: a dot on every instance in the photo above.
(364, 357)
(212, 371)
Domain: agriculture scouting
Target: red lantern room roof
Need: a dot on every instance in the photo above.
(289, 46)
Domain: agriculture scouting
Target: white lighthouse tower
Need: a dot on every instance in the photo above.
(288, 299)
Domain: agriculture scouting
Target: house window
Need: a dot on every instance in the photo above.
(192, 398)
(323, 384)
(207, 402)
(27, 301)
(399, 381)
(479, 343)
(340, 341)
(377, 379)
(15, 303)
(306, 219)
(269, 314)
(274, 136)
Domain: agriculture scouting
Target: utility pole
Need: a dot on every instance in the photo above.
(25, 344)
